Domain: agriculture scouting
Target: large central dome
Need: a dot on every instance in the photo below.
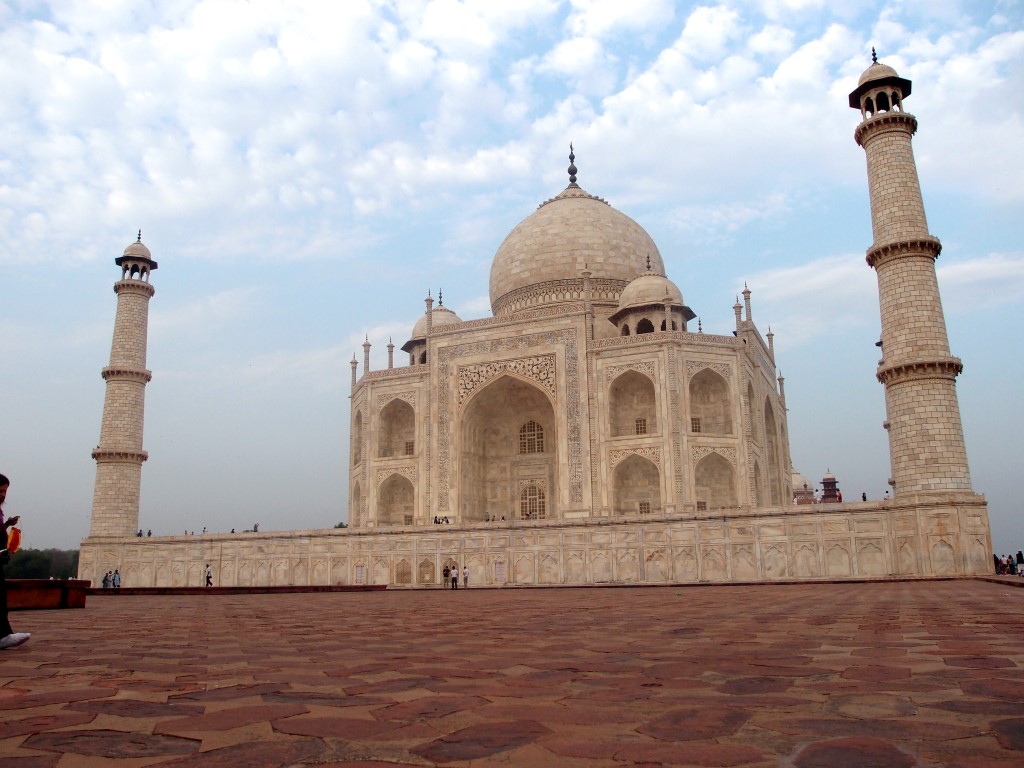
(541, 261)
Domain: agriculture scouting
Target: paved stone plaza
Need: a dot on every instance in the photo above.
(880, 674)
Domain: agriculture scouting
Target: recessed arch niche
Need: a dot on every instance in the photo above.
(397, 429)
(710, 406)
(633, 405)
(396, 499)
(771, 441)
(637, 484)
(715, 482)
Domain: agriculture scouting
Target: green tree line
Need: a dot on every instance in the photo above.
(42, 564)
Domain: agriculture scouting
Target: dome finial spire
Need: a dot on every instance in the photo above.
(874, 56)
(139, 238)
(440, 298)
(572, 167)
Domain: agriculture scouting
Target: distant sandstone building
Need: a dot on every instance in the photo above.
(586, 433)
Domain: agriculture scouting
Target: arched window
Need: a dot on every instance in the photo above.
(644, 326)
(883, 102)
(532, 503)
(869, 106)
(531, 438)
(423, 358)
(625, 330)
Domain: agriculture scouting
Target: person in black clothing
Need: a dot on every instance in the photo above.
(8, 637)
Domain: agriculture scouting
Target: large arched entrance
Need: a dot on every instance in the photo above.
(508, 447)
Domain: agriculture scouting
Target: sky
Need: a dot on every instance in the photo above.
(304, 173)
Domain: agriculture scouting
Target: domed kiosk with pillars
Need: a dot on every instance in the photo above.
(585, 433)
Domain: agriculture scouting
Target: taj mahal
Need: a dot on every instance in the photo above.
(587, 432)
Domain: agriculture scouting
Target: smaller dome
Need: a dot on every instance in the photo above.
(876, 72)
(439, 316)
(650, 289)
(136, 251)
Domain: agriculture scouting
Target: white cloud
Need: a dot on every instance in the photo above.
(605, 18)
(981, 283)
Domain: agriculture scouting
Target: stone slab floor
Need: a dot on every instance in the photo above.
(860, 675)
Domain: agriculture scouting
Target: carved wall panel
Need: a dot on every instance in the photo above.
(617, 455)
(614, 371)
(695, 366)
(698, 452)
(540, 369)
(384, 399)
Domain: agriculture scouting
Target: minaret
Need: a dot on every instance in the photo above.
(119, 456)
(926, 443)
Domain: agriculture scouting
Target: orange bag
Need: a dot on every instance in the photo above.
(13, 539)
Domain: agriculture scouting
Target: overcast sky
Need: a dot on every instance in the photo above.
(305, 172)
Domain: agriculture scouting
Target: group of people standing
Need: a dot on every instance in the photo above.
(1009, 565)
(451, 576)
(111, 580)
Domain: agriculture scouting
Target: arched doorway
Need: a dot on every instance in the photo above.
(508, 444)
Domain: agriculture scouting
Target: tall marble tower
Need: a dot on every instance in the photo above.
(926, 442)
(119, 456)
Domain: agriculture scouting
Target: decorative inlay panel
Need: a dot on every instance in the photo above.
(445, 355)
(540, 368)
(384, 474)
(617, 455)
(698, 452)
(614, 371)
(695, 366)
(540, 482)
(387, 397)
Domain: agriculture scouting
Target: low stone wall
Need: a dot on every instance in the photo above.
(28, 594)
(941, 535)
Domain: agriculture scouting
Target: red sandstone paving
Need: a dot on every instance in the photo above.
(894, 674)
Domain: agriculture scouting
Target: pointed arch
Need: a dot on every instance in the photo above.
(396, 499)
(715, 482)
(355, 512)
(357, 438)
(637, 486)
(397, 430)
(633, 405)
(644, 326)
(772, 460)
(710, 406)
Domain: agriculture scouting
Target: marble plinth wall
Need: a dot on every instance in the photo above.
(941, 535)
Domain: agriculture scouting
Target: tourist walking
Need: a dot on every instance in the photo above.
(447, 573)
(115, 580)
(8, 637)
(465, 576)
(209, 576)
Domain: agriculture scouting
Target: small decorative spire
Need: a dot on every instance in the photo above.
(139, 238)
(874, 56)
(648, 262)
(440, 298)
(572, 166)
(700, 328)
